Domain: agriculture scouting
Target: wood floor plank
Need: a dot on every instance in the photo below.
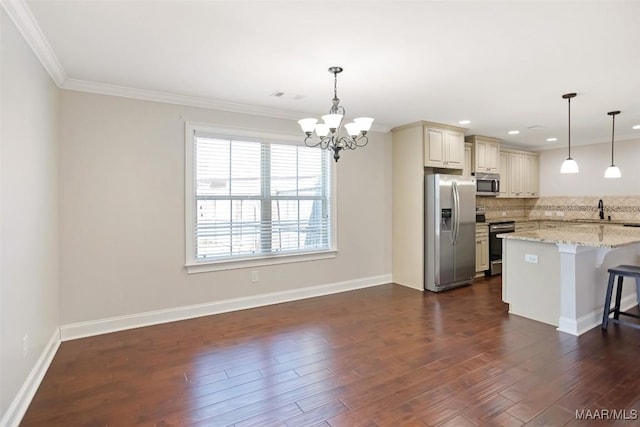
(377, 357)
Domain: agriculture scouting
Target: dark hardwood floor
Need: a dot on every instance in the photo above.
(383, 356)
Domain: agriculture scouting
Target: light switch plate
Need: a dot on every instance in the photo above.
(533, 259)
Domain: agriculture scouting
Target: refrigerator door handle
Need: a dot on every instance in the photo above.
(456, 210)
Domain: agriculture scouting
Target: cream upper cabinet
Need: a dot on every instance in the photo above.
(532, 175)
(486, 153)
(443, 147)
(466, 169)
(504, 174)
(515, 175)
(434, 147)
(521, 179)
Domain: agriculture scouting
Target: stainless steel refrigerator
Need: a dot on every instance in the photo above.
(450, 228)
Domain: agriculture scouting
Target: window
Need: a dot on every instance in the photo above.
(254, 198)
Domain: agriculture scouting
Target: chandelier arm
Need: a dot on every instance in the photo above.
(362, 138)
(309, 141)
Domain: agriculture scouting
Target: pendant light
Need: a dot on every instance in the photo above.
(612, 171)
(569, 165)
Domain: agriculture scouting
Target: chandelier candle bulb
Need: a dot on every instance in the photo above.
(328, 133)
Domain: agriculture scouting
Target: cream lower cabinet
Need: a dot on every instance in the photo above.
(527, 225)
(482, 248)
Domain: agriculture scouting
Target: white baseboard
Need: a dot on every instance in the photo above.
(120, 323)
(590, 320)
(21, 402)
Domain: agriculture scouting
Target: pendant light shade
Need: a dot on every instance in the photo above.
(612, 171)
(569, 165)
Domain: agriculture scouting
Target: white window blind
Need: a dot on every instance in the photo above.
(254, 199)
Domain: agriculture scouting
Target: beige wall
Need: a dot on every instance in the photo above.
(122, 211)
(29, 210)
(592, 161)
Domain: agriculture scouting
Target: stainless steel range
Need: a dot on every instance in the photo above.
(495, 245)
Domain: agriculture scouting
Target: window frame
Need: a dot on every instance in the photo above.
(253, 135)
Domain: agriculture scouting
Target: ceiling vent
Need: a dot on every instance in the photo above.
(284, 95)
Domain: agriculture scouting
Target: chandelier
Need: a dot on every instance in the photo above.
(327, 134)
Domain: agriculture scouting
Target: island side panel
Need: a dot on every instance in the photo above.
(585, 276)
(532, 290)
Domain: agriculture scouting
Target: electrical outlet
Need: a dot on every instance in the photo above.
(533, 259)
(255, 277)
(559, 213)
(548, 213)
(25, 346)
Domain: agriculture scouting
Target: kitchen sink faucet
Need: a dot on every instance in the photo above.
(601, 209)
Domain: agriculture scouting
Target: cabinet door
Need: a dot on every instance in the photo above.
(482, 253)
(478, 254)
(492, 157)
(480, 156)
(504, 175)
(516, 169)
(466, 170)
(434, 154)
(532, 179)
(454, 149)
(484, 245)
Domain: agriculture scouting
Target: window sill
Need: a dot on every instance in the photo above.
(202, 267)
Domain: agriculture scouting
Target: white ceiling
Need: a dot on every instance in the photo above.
(502, 65)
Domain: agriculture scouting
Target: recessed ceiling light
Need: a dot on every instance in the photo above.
(552, 139)
(464, 122)
(636, 127)
(514, 132)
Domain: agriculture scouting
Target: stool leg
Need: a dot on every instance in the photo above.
(607, 302)
(616, 313)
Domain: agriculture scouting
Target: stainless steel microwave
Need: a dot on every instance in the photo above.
(487, 184)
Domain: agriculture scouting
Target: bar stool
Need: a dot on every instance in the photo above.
(621, 271)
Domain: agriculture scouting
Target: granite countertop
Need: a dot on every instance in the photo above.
(593, 235)
(560, 219)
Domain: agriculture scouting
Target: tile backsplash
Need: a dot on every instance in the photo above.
(619, 208)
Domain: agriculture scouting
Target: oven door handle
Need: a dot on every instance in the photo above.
(499, 228)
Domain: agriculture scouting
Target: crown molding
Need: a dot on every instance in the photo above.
(171, 98)
(23, 19)
(19, 12)
(191, 101)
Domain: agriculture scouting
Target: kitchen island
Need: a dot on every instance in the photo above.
(559, 276)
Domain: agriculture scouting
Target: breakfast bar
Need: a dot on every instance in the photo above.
(559, 276)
